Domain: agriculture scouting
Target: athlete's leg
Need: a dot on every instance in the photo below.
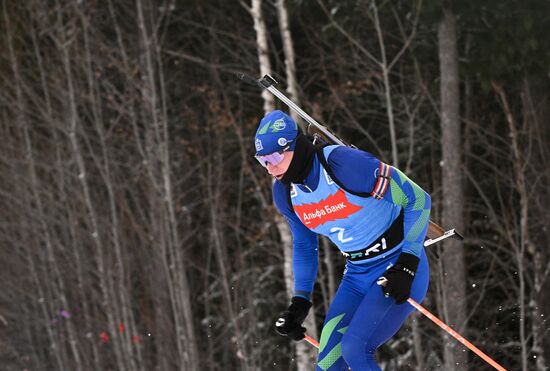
(339, 315)
(377, 319)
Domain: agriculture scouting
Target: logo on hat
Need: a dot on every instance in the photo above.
(259, 145)
(282, 142)
(278, 125)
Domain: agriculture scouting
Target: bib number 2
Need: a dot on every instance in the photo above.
(341, 234)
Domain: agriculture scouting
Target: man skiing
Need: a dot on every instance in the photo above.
(375, 215)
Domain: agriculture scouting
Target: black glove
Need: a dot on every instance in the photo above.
(290, 321)
(399, 278)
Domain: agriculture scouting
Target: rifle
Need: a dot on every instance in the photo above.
(435, 233)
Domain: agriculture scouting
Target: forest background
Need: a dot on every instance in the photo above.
(137, 231)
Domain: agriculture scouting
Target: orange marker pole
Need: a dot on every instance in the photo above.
(456, 335)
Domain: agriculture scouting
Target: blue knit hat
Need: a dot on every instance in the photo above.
(277, 131)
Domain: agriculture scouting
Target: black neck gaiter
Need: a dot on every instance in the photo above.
(302, 161)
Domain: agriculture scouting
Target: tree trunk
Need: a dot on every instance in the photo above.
(154, 94)
(536, 113)
(305, 354)
(383, 64)
(290, 58)
(454, 283)
(43, 230)
(263, 50)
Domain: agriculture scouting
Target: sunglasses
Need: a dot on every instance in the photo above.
(274, 158)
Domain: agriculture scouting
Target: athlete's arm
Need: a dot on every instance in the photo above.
(416, 203)
(304, 252)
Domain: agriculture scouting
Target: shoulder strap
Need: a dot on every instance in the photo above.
(326, 166)
(288, 198)
(324, 163)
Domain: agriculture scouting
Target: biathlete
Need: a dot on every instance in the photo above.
(373, 213)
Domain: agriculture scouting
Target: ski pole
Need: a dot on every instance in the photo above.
(441, 324)
(435, 232)
(382, 282)
(456, 335)
(312, 341)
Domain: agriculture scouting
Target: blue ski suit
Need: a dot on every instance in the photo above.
(360, 317)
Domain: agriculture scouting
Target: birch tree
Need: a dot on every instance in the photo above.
(305, 354)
